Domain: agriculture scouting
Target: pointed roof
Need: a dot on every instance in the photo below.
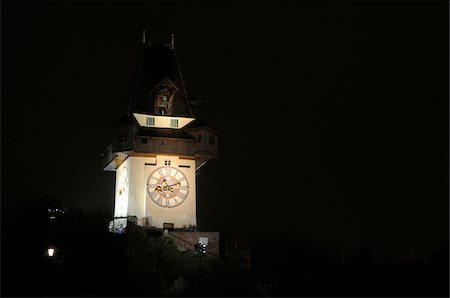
(157, 64)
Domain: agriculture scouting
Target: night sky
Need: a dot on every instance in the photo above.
(333, 116)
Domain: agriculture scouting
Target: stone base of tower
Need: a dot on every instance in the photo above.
(167, 224)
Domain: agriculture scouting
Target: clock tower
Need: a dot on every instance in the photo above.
(159, 145)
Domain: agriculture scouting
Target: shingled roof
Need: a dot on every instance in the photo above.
(156, 63)
(197, 123)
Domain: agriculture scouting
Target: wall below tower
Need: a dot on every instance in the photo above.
(187, 240)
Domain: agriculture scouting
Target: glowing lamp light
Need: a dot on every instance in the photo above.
(51, 252)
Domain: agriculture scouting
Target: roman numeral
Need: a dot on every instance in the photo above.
(154, 179)
(168, 171)
(182, 195)
(160, 172)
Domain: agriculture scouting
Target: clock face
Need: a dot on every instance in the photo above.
(167, 186)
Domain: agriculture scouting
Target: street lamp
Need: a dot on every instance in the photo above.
(51, 252)
(200, 250)
(203, 249)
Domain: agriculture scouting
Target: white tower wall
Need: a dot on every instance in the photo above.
(132, 197)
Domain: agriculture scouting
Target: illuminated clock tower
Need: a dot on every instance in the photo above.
(159, 145)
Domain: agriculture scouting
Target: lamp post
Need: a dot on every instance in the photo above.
(200, 251)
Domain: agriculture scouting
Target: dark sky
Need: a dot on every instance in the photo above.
(333, 116)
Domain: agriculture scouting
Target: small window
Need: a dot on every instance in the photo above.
(122, 138)
(199, 138)
(173, 122)
(167, 162)
(151, 121)
(144, 140)
(212, 140)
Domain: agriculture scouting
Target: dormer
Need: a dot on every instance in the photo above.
(163, 94)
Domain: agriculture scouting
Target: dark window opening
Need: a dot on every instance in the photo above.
(144, 140)
(163, 105)
(212, 140)
(161, 111)
(122, 138)
(199, 138)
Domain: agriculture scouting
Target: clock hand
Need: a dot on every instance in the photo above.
(170, 186)
(166, 187)
(177, 184)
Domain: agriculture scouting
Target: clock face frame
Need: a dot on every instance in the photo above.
(167, 186)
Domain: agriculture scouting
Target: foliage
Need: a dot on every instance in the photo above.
(152, 264)
(91, 261)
